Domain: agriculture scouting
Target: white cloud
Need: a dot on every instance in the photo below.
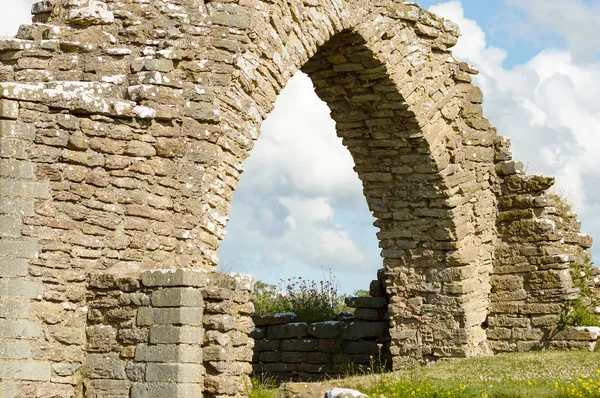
(575, 20)
(298, 150)
(548, 106)
(14, 13)
(315, 237)
(298, 180)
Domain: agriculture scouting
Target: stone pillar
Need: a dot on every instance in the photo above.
(145, 335)
(173, 352)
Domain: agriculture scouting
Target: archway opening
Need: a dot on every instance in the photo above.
(299, 209)
(404, 192)
(299, 216)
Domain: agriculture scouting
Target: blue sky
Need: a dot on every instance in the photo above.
(299, 208)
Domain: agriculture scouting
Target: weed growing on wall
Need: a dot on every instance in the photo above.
(564, 208)
(584, 311)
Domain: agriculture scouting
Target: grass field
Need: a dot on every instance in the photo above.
(538, 374)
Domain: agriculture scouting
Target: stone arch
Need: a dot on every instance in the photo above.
(123, 127)
(418, 190)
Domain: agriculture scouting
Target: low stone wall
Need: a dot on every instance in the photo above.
(288, 349)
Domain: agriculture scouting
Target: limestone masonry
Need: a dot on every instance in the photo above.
(285, 348)
(124, 125)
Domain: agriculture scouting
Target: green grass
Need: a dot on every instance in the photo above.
(508, 375)
(263, 387)
(550, 374)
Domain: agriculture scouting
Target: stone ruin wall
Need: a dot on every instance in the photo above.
(288, 349)
(123, 128)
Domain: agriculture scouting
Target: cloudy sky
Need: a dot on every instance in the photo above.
(299, 209)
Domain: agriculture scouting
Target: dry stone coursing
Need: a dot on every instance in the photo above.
(177, 333)
(124, 126)
(288, 349)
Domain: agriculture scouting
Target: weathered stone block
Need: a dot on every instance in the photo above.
(267, 345)
(318, 357)
(545, 321)
(325, 330)
(162, 390)
(509, 168)
(19, 206)
(331, 345)
(363, 347)
(176, 277)
(26, 370)
(93, 13)
(299, 345)
(13, 148)
(536, 309)
(229, 368)
(105, 366)
(221, 322)
(512, 320)
(21, 288)
(572, 345)
(9, 109)
(366, 302)
(19, 249)
(507, 282)
(175, 372)
(14, 308)
(65, 369)
(16, 169)
(170, 316)
(161, 65)
(217, 353)
(269, 356)
(367, 314)
(101, 338)
(303, 390)
(14, 349)
(498, 333)
(293, 356)
(183, 353)
(581, 333)
(176, 335)
(277, 319)
(527, 334)
(102, 388)
(528, 183)
(376, 289)
(178, 297)
(14, 129)
(288, 331)
(364, 330)
(550, 279)
(256, 334)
